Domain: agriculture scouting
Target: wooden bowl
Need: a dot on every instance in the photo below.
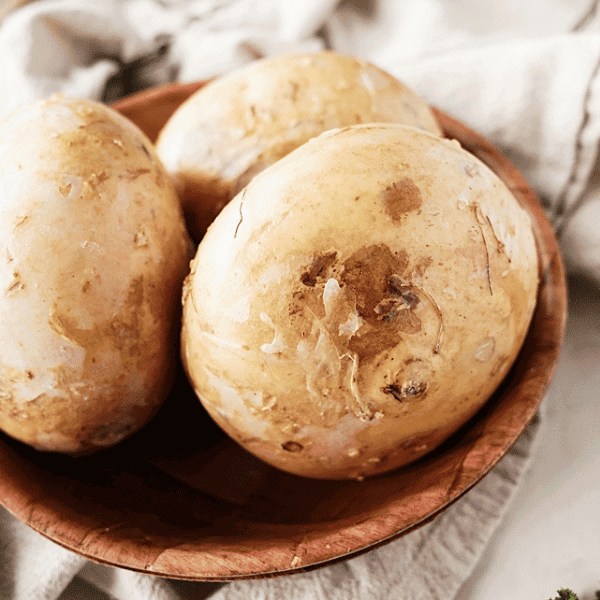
(180, 499)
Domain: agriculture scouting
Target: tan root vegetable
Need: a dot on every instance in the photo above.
(94, 252)
(238, 124)
(359, 301)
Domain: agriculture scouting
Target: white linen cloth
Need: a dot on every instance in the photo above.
(524, 74)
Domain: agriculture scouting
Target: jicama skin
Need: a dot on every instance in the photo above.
(94, 253)
(359, 301)
(240, 123)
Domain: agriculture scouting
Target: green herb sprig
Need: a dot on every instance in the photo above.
(567, 594)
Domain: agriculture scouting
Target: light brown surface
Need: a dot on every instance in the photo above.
(358, 301)
(180, 499)
(244, 121)
(95, 251)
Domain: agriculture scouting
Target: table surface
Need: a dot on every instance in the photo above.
(550, 537)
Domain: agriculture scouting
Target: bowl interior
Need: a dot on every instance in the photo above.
(180, 499)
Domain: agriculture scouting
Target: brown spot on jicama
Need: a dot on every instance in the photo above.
(21, 219)
(143, 148)
(131, 174)
(398, 289)
(318, 269)
(471, 170)
(500, 362)
(421, 266)
(368, 345)
(368, 273)
(122, 330)
(15, 284)
(96, 179)
(140, 239)
(384, 301)
(402, 316)
(409, 391)
(292, 446)
(400, 198)
(92, 150)
(65, 190)
(399, 306)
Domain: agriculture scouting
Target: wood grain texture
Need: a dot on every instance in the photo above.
(180, 499)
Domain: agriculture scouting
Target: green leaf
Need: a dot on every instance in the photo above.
(566, 594)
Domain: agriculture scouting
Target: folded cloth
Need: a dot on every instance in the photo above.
(535, 96)
(525, 75)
